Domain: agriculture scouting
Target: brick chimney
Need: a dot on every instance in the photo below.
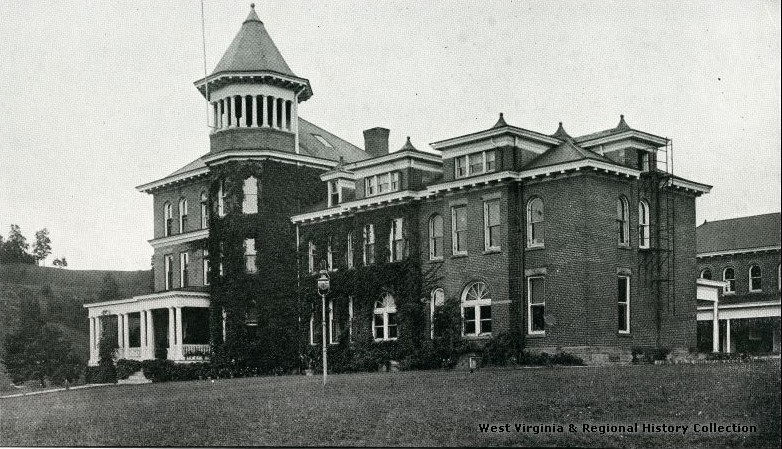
(376, 141)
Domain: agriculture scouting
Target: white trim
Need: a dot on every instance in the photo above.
(405, 154)
(529, 305)
(622, 136)
(148, 187)
(159, 300)
(750, 278)
(469, 181)
(740, 311)
(385, 311)
(279, 156)
(690, 185)
(476, 304)
(578, 165)
(355, 204)
(626, 302)
(486, 226)
(739, 251)
(494, 132)
(454, 231)
(179, 238)
(338, 174)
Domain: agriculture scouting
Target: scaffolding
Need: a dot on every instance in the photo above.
(658, 261)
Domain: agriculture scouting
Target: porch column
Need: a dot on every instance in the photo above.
(171, 333)
(179, 331)
(715, 332)
(225, 334)
(727, 336)
(143, 334)
(119, 330)
(93, 348)
(150, 334)
(126, 330)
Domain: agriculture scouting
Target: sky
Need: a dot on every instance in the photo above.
(98, 95)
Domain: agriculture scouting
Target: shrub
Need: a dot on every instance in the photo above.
(101, 374)
(504, 349)
(649, 354)
(166, 370)
(127, 367)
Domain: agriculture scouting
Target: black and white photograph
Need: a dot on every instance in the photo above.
(353, 223)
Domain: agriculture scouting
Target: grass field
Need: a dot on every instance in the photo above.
(411, 408)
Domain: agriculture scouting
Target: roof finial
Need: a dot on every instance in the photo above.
(252, 5)
(408, 145)
(501, 122)
(561, 133)
(622, 123)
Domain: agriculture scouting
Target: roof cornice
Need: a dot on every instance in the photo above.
(403, 154)
(280, 156)
(629, 134)
(493, 132)
(760, 249)
(216, 80)
(168, 180)
(179, 238)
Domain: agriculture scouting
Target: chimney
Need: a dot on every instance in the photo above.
(376, 141)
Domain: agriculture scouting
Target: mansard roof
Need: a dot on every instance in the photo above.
(253, 50)
(737, 234)
(567, 151)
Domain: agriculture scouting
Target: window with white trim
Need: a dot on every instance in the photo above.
(436, 237)
(205, 260)
(334, 328)
(311, 256)
(643, 224)
(168, 219)
(623, 304)
(312, 328)
(729, 276)
(168, 269)
(475, 164)
(349, 251)
(536, 305)
(396, 241)
(755, 278)
(491, 225)
(350, 319)
(329, 255)
(384, 325)
(369, 244)
(382, 183)
(182, 215)
(706, 274)
(221, 199)
(204, 210)
(436, 300)
(250, 191)
(476, 310)
(184, 260)
(334, 193)
(251, 314)
(249, 256)
(535, 222)
(623, 221)
(459, 229)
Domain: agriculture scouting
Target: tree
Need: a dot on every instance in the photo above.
(39, 351)
(14, 249)
(43, 246)
(109, 290)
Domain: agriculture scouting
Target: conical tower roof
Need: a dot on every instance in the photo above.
(253, 50)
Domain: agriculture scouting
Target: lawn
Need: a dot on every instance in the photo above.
(412, 408)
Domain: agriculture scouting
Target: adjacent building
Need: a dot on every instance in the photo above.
(584, 244)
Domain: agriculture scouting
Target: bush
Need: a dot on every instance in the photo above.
(546, 359)
(504, 349)
(649, 354)
(127, 367)
(101, 374)
(166, 370)
(728, 356)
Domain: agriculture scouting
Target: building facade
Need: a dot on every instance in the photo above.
(744, 253)
(582, 244)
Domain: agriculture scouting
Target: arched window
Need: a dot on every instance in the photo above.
(182, 215)
(535, 222)
(755, 278)
(436, 237)
(476, 310)
(168, 217)
(204, 210)
(706, 274)
(729, 276)
(623, 221)
(643, 224)
(250, 190)
(437, 299)
(384, 325)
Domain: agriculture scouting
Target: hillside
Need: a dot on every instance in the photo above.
(61, 294)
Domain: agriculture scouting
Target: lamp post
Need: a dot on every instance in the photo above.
(323, 289)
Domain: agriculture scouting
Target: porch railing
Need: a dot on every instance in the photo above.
(196, 352)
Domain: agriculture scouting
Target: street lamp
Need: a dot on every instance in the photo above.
(323, 289)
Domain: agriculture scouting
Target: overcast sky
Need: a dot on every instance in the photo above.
(98, 96)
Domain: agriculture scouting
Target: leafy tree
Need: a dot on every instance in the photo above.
(39, 351)
(109, 290)
(64, 262)
(43, 246)
(14, 249)
(60, 263)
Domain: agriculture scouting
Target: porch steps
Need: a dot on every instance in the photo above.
(135, 378)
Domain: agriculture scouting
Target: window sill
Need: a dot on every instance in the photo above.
(624, 334)
(381, 340)
(485, 336)
(624, 246)
(436, 260)
(756, 291)
(728, 293)
(459, 256)
(535, 248)
(492, 251)
(536, 335)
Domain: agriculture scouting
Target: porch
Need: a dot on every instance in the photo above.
(171, 325)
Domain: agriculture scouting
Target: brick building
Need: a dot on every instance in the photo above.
(581, 244)
(744, 253)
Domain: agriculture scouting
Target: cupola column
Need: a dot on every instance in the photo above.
(231, 112)
(257, 113)
(244, 121)
(274, 123)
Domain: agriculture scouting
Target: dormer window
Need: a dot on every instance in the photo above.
(382, 183)
(334, 193)
(475, 164)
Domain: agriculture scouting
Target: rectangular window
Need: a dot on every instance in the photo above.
(491, 163)
(623, 302)
(312, 328)
(334, 329)
(378, 327)
(168, 267)
(491, 224)
(221, 199)
(383, 183)
(395, 181)
(311, 257)
(333, 193)
(371, 185)
(184, 258)
(205, 259)
(349, 251)
(369, 244)
(396, 242)
(476, 163)
(459, 229)
(249, 256)
(536, 305)
(329, 256)
(461, 167)
(250, 191)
